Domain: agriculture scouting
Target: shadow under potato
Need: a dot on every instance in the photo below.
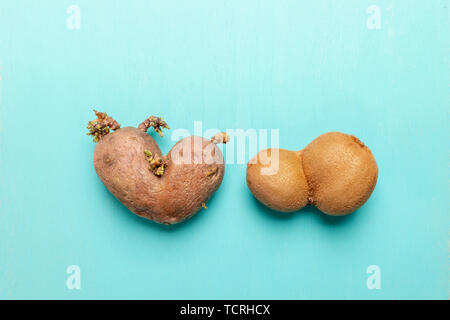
(130, 216)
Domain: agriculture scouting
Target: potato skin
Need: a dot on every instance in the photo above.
(341, 172)
(336, 172)
(287, 189)
(188, 186)
(122, 166)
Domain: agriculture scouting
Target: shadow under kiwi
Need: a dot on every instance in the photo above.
(306, 211)
(349, 218)
(277, 215)
(326, 219)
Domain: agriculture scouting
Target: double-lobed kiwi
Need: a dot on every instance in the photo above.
(336, 173)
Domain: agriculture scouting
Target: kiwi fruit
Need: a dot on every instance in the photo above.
(336, 172)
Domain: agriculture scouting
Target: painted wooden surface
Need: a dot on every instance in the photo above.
(378, 69)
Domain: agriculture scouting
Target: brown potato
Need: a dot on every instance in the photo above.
(336, 172)
(166, 189)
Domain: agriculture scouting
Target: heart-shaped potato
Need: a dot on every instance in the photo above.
(166, 189)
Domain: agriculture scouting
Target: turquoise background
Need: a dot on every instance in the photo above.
(304, 67)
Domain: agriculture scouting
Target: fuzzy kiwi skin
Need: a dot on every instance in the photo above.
(285, 191)
(121, 164)
(341, 172)
(336, 172)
